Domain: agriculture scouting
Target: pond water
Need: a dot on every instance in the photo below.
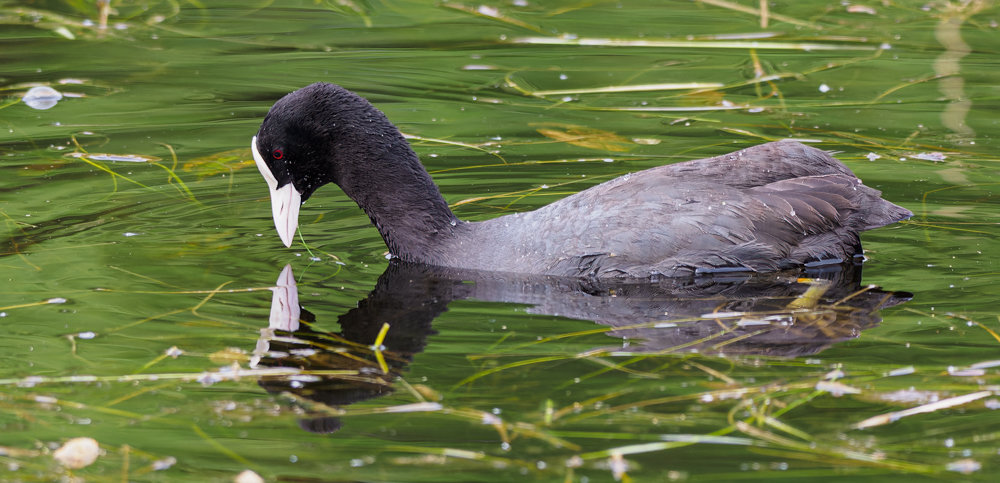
(140, 262)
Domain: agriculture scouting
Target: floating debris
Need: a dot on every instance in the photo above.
(164, 464)
(911, 395)
(860, 9)
(689, 43)
(748, 322)
(965, 466)
(617, 465)
(209, 378)
(926, 408)
(126, 158)
(77, 453)
(834, 374)
(41, 97)
(629, 88)
(836, 389)
(933, 156)
(985, 365)
(248, 476)
(966, 372)
(583, 136)
(480, 67)
(902, 371)
(227, 355)
(416, 408)
(646, 141)
(427, 392)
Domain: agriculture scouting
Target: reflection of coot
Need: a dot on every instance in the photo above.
(408, 305)
(778, 314)
(316, 351)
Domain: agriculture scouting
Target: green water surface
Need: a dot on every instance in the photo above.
(135, 222)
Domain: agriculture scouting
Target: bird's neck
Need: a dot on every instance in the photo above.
(402, 202)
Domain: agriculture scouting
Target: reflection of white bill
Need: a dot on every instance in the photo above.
(285, 312)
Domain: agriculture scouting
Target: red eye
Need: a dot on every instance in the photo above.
(277, 154)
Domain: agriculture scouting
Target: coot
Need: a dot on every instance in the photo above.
(768, 207)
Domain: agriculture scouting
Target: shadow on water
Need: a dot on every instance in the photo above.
(785, 314)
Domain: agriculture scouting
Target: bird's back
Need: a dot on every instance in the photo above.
(766, 207)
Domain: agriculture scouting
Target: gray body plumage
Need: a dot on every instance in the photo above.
(764, 208)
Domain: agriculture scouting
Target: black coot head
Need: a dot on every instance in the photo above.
(294, 140)
(296, 146)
